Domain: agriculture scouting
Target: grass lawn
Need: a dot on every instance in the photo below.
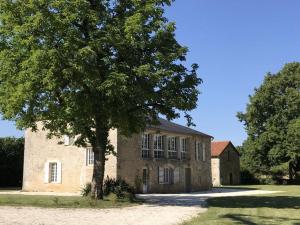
(278, 208)
(63, 202)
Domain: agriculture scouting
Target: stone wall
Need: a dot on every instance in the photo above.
(229, 166)
(75, 173)
(131, 164)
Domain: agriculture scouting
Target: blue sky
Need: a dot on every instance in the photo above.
(235, 44)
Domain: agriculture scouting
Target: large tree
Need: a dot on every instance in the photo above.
(272, 121)
(83, 67)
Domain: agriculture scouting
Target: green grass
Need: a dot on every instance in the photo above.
(279, 208)
(63, 202)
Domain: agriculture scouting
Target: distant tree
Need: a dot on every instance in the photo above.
(83, 67)
(11, 161)
(272, 121)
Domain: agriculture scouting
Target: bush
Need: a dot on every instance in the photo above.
(86, 190)
(248, 178)
(117, 187)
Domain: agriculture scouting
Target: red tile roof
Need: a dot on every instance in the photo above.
(217, 147)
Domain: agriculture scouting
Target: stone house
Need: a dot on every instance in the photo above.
(166, 158)
(225, 163)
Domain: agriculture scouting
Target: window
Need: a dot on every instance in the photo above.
(166, 175)
(172, 153)
(69, 140)
(145, 145)
(183, 151)
(89, 156)
(158, 147)
(228, 155)
(53, 172)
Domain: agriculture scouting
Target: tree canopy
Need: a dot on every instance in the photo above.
(272, 122)
(83, 67)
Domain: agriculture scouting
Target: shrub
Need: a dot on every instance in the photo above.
(86, 190)
(117, 187)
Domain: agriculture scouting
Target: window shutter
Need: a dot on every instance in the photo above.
(66, 140)
(176, 175)
(203, 151)
(160, 175)
(71, 140)
(196, 150)
(46, 172)
(59, 172)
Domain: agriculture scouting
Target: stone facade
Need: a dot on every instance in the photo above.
(73, 170)
(226, 167)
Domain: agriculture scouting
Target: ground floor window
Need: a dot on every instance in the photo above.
(52, 172)
(165, 175)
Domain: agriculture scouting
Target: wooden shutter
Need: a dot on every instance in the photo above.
(176, 175)
(203, 151)
(59, 172)
(160, 175)
(46, 173)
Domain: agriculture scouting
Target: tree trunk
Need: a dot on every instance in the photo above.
(99, 149)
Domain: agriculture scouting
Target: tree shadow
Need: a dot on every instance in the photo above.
(247, 219)
(276, 202)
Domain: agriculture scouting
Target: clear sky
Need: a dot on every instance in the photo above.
(235, 44)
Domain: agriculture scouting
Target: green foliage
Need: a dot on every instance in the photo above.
(272, 121)
(85, 66)
(118, 187)
(86, 190)
(11, 161)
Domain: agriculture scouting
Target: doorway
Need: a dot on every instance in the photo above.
(187, 173)
(230, 179)
(145, 180)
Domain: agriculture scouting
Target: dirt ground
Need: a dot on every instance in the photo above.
(159, 209)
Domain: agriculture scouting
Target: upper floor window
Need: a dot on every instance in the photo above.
(89, 156)
(228, 155)
(69, 140)
(198, 150)
(203, 151)
(145, 145)
(183, 148)
(172, 153)
(158, 146)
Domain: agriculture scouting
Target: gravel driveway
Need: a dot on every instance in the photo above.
(160, 209)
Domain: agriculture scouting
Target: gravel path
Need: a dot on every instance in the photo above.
(161, 209)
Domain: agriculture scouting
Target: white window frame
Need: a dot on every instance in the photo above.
(167, 175)
(172, 153)
(48, 172)
(158, 146)
(53, 172)
(68, 140)
(89, 156)
(145, 145)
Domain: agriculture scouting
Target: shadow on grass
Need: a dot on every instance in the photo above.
(248, 219)
(276, 202)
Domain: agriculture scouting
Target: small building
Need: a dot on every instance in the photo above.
(165, 158)
(225, 163)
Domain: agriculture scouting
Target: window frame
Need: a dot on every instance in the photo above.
(89, 156)
(183, 148)
(145, 147)
(158, 148)
(53, 173)
(172, 148)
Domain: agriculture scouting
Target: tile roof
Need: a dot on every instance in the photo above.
(176, 128)
(217, 147)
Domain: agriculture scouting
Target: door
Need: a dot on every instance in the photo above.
(230, 179)
(187, 177)
(145, 180)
